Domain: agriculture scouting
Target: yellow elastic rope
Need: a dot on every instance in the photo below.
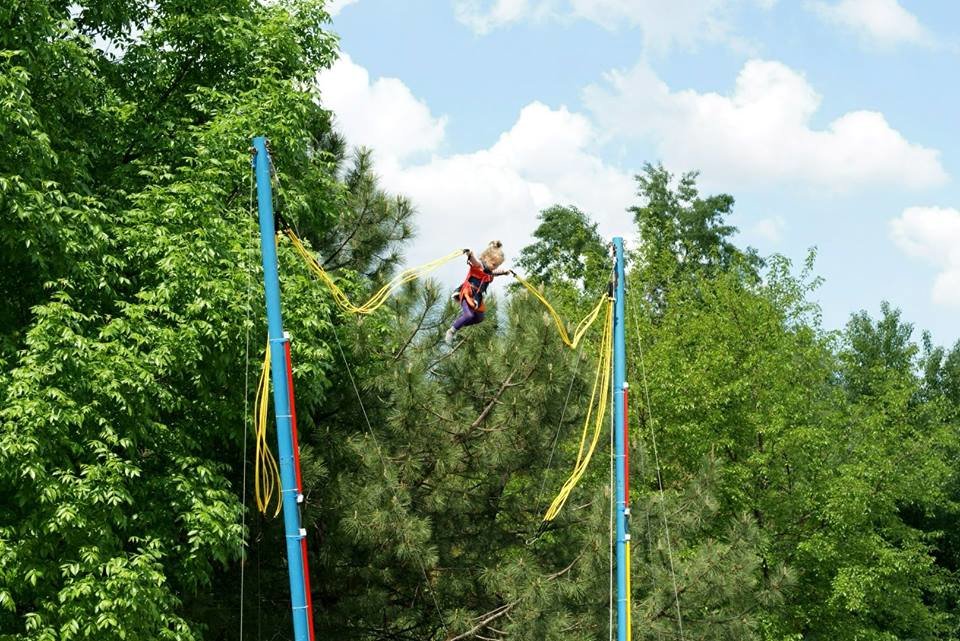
(601, 387)
(378, 299)
(582, 326)
(266, 474)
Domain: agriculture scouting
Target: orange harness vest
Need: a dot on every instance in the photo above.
(474, 287)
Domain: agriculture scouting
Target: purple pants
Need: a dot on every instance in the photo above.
(468, 316)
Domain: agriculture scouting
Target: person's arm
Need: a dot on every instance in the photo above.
(472, 259)
(502, 272)
(471, 302)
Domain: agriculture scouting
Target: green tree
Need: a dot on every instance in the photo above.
(372, 226)
(828, 476)
(682, 235)
(566, 250)
(941, 372)
(129, 262)
(434, 506)
(877, 352)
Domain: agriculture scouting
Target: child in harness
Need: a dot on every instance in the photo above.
(470, 294)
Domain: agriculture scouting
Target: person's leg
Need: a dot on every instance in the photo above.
(468, 316)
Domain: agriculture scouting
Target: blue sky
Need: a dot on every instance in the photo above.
(832, 122)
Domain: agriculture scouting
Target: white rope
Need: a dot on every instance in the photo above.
(656, 458)
(246, 416)
(383, 462)
(556, 436)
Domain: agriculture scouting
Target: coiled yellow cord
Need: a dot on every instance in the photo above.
(266, 474)
(601, 386)
(582, 326)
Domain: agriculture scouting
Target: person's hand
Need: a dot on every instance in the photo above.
(466, 250)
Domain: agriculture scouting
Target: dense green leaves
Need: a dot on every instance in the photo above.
(824, 441)
(567, 250)
(129, 267)
(684, 236)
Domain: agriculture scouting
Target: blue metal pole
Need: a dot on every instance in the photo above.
(619, 383)
(281, 398)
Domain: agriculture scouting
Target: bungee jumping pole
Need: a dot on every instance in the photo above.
(282, 397)
(621, 444)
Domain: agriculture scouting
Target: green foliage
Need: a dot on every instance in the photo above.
(685, 237)
(129, 263)
(567, 251)
(695, 568)
(825, 441)
(371, 228)
(427, 519)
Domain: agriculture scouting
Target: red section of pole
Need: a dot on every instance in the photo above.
(306, 583)
(296, 465)
(626, 449)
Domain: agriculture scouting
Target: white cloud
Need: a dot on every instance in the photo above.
(663, 22)
(933, 234)
(383, 114)
(483, 19)
(881, 23)
(468, 199)
(761, 132)
(336, 6)
(766, 230)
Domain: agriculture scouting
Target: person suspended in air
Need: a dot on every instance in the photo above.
(470, 294)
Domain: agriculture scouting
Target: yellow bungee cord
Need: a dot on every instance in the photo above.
(266, 474)
(378, 299)
(408, 275)
(601, 386)
(580, 330)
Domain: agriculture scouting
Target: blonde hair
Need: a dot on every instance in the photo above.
(492, 256)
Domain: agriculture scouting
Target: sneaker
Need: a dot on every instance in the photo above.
(448, 337)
